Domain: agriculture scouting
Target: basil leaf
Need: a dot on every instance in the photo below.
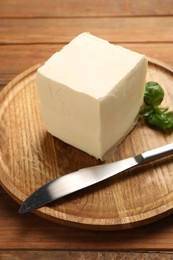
(161, 120)
(146, 111)
(156, 115)
(170, 115)
(153, 94)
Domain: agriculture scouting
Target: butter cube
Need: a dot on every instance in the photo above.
(91, 92)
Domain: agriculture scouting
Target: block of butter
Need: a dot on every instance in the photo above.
(91, 92)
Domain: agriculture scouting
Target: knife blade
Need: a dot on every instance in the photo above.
(86, 177)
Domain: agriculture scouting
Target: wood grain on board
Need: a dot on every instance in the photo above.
(30, 157)
(30, 233)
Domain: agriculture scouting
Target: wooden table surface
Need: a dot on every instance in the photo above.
(30, 31)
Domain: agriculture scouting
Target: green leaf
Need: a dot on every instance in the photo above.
(153, 94)
(170, 115)
(146, 111)
(161, 120)
(156, 115)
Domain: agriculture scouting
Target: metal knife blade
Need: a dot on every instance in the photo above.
(86, 177)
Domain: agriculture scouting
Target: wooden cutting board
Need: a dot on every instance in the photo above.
(30, 157)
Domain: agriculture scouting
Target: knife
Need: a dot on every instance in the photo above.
(86, 177)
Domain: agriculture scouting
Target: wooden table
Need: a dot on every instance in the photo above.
(30, 31)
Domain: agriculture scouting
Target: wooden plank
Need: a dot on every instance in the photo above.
(89, 8)
(30, 232)
(19, 231)
(73, 255)
(17, 58)
(142, 29)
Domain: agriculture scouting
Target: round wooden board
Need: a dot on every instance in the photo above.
(30, 157)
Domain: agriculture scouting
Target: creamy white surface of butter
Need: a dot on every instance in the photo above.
(91, 92)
